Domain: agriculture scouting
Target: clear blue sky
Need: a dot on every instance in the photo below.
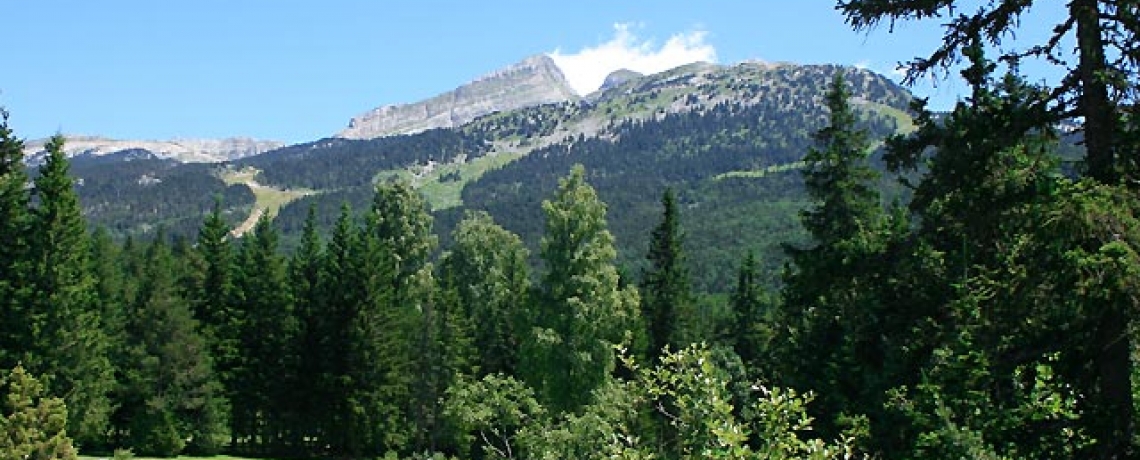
(297, 71)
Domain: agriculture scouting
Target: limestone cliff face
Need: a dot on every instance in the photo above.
(534, 81)
(182, 150)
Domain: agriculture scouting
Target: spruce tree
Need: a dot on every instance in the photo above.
(69, 344)
(171, 399)
(825, 306)
(212, 296)
(310, 390)
(265, 404)
(339, 293)
(14, 216)
(581, 312)
(753, 327)
(666, 296)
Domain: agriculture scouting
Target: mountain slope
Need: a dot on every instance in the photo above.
(534, 81)
(727, 139)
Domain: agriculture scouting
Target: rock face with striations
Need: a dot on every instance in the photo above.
(534, 81)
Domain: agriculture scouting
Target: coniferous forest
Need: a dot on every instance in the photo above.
(990, 314)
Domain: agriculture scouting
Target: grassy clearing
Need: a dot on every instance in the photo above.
(447, 193)
(266, 199)
(758, 173)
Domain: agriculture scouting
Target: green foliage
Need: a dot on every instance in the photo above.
(829, 318)
(263, 403)
(14, 221)
(170, 398)
(487, 270)
(67, 343)
(581, 310)
(32, 424)
(493, 411)
(666, 298)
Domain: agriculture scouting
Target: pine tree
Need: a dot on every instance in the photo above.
(752, 327)
(340, 288)
(69, 346)
(581, 312)
(14, 335)
(666, 295)
(825, 306)
(488, 273)
(171, 399)
(310, 392)
(264, 407)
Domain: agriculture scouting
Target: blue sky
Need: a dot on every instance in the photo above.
(297, 71)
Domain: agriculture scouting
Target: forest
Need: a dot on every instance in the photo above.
(992, 314)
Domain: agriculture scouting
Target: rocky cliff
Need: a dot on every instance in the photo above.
(534, 81)
(181, 150)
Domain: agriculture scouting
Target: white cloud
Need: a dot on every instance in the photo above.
(587, 68)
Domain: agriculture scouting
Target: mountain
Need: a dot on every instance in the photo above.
(618, 77)
(534, 81)
(181, 150)
(728, 139)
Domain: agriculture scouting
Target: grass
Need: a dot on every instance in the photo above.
(266, 199)
(444, 195)
(217, 457)
(758, 173)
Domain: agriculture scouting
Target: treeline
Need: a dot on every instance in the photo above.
(358, 346)
(990, 316)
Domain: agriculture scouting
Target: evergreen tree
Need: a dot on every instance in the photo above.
(69, 344)
(340, 289)
(752, 327)
(310, 391)
(14, 335)
(212, 295)
(581, 312)
(32, 424)
(1011, 241)
(172, 400)
(666, 296)
(264, 405)
(825, 305)
(487, 272)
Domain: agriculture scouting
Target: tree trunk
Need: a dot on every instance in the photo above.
(1093, 103)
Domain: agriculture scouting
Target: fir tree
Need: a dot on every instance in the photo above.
(265, 405)
(666, 295)
(172, 400)
(69, 344)
(14, 335)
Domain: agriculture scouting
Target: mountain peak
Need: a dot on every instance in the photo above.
(618, 77)
(533, 81)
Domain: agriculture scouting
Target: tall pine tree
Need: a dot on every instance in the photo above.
(14, 333)
(665, 289)
(824, 302)
(69, 344)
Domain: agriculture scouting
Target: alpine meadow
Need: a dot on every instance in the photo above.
(755, 260)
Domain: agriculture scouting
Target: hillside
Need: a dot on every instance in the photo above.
(726, 138)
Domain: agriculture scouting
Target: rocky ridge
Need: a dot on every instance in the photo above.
(534, 81)
(181, 150)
